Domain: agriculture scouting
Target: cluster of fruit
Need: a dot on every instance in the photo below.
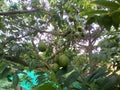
(61, 61)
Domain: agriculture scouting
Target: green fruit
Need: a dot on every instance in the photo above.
(55, 67)
(63, 60)
(42, 46)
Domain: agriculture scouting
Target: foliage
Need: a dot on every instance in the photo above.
(106, 15)
(86, 32)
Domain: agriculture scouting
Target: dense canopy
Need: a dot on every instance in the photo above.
(62, 44)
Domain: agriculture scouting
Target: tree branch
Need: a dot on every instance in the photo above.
(22, 62)
(23, 12)
(97, 34)
(16, 60)
(19, 61)
(43, 31)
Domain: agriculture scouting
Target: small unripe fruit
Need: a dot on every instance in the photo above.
(63, 60)
(42, 46)
(55, 67)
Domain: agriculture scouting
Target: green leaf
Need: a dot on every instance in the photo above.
(71, 78)
(5, 72)
(116, 19)
(91, 20)
(100, 81)
(105, 21)
(31, 65)
(112, 80)
(61, 72)
(93, 12)
(76, 85)
(96, 74)
(47, 86)
(65, 88)
(108, 4)
(15, 80)
(99, 74)
(2, 67)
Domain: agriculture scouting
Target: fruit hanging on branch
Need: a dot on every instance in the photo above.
(42, 46)
(63, 60)
(55, 67)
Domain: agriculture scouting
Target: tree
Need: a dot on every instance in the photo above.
(34, 34)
